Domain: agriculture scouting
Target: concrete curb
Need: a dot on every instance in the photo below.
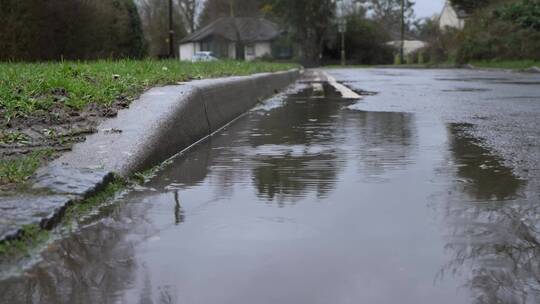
(158, 125)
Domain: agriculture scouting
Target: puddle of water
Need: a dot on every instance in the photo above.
(486, 179)
(467, 90)
(492, 226)
(325, 205)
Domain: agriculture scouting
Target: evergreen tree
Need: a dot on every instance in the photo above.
(309, 22)
(470, 5)
(77, 29)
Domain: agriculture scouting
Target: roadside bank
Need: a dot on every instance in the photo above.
(46, 108)
(158, 125)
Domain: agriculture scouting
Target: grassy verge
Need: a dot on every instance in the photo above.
(53, 97)
(507, 64)
(26, 88)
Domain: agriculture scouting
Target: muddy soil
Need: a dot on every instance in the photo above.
(56, 130)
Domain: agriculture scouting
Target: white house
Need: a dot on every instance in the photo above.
(409, 46)
(451, 17)
(234, 38)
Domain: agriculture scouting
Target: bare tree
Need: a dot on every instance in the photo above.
(215, 9)
(387, 13)
(154, 15)
(189, 11)
(309, 22)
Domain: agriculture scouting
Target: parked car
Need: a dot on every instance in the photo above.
(203, 56)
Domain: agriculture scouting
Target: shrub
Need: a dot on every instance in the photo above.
(444, 46)
(501, 32)
(76, 29)
(525, 14)
(365, 43)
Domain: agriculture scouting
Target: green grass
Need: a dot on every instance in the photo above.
(19, 169)
(28, 87)
(507, 64)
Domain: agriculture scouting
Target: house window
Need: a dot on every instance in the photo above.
(205, 46)
(250, 50)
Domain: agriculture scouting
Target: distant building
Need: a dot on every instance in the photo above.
(409, 46)
(452, 17)
(233, 38)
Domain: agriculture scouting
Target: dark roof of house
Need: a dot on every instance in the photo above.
(237, 29)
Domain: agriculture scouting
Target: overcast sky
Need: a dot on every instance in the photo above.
(426, 8)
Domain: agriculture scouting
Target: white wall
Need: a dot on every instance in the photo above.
(187, 50)
(232, 50)
(449, 18)
(409, 46)
(261, 49)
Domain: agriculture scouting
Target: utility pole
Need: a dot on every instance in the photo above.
(343, 59)
(171, 31)
(401, 49)
(342, 28)
(231, 8)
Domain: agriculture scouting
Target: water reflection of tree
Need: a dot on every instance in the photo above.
(225, 159)
(179, 215)
(290, 177)
(387, 140)
(494, 226)
(309, 125)
(213, 161)
(188, 169)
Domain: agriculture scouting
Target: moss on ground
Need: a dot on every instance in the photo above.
(30, 237)
(81, 209)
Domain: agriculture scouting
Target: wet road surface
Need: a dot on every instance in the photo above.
(424, 193)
